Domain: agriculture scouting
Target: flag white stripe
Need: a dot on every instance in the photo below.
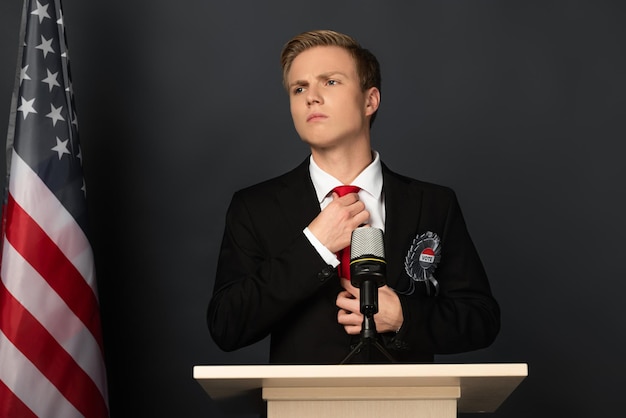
(28, 384)
(32, 194)
(36, 295)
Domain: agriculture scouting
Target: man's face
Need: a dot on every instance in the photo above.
(327, 105)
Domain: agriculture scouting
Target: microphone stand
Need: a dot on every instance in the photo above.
(368, 336)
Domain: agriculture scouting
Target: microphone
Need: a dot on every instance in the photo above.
(368, 268)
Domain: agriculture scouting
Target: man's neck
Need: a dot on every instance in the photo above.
(345, 164)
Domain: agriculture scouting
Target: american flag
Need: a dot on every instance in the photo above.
(51, 350)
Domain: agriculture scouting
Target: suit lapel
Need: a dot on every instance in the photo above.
(298, 198)
(402, 215)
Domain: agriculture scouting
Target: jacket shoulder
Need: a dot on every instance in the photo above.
(297, 177)
(428, 189)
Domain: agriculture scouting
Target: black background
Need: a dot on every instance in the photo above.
(517, 105)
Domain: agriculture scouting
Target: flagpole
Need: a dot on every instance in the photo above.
(14, 99)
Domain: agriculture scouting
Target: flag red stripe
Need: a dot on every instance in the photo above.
(40, 347)
(45, 256)
(11, 405)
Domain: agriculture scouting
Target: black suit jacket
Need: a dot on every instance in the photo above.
(270, 279)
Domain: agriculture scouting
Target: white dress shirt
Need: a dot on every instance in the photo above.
(370, 180)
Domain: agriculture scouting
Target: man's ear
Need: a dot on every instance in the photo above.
(372, 100)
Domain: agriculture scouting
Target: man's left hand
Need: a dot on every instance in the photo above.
(388, 319)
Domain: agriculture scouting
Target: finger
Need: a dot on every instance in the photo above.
(347, 199)
(356, 207)
(349, 319)
(345, 318)
(344, 294)
(348, 304)
(349, 288)
(360, 218)
(352, 329)
(341, 313)
(347, 297)
(354, 292)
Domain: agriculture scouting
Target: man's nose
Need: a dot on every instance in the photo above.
(313, 95)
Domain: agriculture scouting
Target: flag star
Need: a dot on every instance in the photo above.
(84, 188)
(51, 80)
(66, 52)
(80, 155)
(41, 11)
(55, 114)
(60, 21)
(74, 120)
(23, 75)
(26, 107)
(45, 46)
(61, 147)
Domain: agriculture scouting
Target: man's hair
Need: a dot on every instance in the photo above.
(367, 66)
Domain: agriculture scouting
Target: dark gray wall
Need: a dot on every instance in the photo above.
(518, 105)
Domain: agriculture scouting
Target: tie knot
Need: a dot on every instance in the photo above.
(344, 190)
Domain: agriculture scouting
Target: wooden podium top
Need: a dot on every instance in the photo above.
(483, 387)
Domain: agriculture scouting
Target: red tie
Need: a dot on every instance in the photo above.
(344, 255)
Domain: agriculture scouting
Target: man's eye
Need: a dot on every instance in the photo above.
(298, 90)
(331, 82)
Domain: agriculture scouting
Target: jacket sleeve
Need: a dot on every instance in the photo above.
(264, 271)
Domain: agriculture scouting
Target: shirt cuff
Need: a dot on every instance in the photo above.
(325, 253)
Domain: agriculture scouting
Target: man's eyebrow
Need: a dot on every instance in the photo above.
(298, 83)
(329, 74)
(323, 76)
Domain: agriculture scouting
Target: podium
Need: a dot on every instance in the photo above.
(361, 391)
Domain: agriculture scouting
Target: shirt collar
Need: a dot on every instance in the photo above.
(369, 180)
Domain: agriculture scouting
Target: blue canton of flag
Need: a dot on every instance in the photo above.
(46, 132)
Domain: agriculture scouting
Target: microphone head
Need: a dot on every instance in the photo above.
(367, 262)
(367, 241)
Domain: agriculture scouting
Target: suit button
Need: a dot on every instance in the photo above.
(325, 274)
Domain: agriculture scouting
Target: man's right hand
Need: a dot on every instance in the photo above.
(334, 225)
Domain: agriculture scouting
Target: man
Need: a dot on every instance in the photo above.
(277, 270)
